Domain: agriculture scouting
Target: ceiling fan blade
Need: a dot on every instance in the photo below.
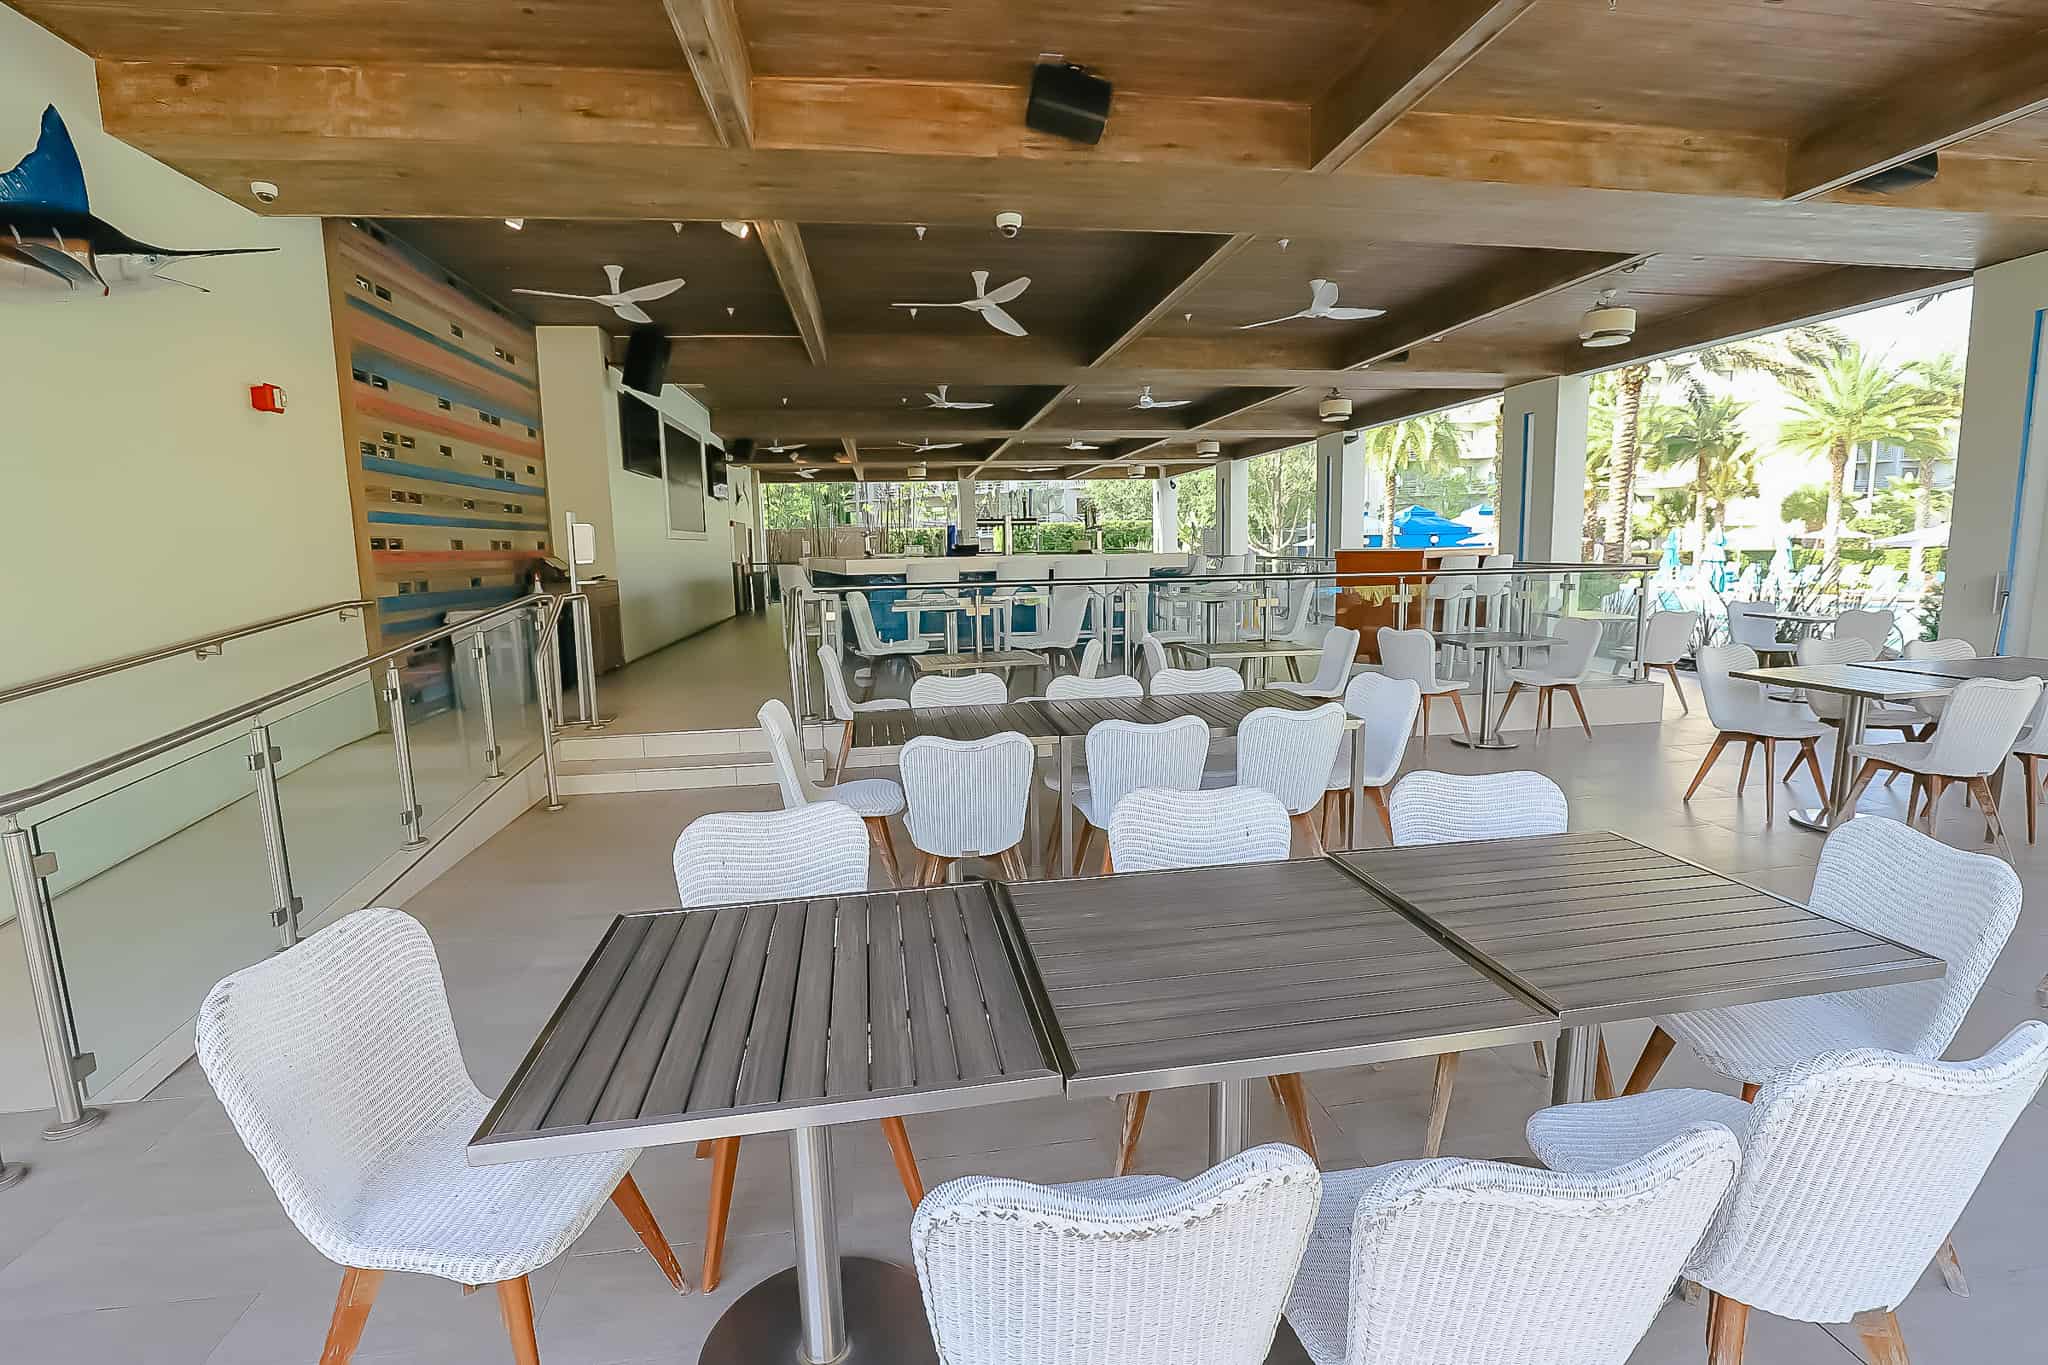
(968, 303)
(648, 293)
(968, 407)
(1002, 321)
(1269, 322)
(980, 282)
(1171, 402)
(615, 273)
(1003, 293)
(942, 445)
(1322, 295)
(632, 312)
(556, 294)
(1353, 314)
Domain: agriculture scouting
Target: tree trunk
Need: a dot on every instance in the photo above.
(1838, 473)
(1391, 490)
(1700, 517)
(1621, 462)
(1923, 515)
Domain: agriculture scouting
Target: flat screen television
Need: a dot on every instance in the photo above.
(645, 370)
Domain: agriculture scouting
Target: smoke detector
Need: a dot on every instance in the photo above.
(1136, 471)
(1607, 324)
(1335, 408)
(916, 471)
(1209, 448)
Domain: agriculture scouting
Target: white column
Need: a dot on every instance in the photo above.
(1165, 515)
(1233, 507)
(2001, 468)
(1543, 470)
(1340, 492)
(964, 515)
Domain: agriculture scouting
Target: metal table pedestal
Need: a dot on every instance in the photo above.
(1848, 735)
(1227, 1100)
(1489, 736)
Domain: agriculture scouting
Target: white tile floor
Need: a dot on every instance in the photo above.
(154, 1238)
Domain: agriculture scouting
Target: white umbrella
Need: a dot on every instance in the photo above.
(1924, 538)
(1845, 533)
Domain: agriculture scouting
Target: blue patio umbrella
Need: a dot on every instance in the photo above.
(1670, 565)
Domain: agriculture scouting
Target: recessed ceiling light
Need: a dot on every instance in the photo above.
(516, 224)
(729, 310)
(918, 228)
(738, 227)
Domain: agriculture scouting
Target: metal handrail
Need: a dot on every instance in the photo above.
(196, 645)
(14, 802)
(1506, 570)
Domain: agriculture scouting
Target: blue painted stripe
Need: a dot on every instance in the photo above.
(444, 343)
(475, 523)
(435, 601)
(2019, 486)
(377, 464)
(363, 356)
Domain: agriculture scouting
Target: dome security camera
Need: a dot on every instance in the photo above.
(1009, 224)
(265, 192)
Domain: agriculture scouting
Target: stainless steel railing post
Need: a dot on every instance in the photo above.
(11, 1172)
(1640, 671)
(27, 867)
(263, 761)
(587, 713)
(480, 655)
(409, 811)
(545, 656)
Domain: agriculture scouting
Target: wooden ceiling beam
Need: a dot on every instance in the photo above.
(1416, 46)
(709, 31)
(784, 245)
(1934, 109)
(1239, 418)
(1532, 276)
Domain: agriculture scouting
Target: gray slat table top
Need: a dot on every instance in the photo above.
(877, 729)
(1599, 927)
(1495, 639)
(1253, 649)
(1161, 979)
(692, 1024)
(1861, 680)
(995, 658)
(1040, 719)
(2006, 667)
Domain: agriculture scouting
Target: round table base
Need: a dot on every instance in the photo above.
(1813, 818)
(885, 1321)
(1477, 743)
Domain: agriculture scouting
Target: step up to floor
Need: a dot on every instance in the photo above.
(671, 760)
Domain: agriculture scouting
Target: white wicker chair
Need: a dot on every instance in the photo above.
(1143, 1270)
(1090, 665)
(1059, 625)
(868, 641)
(1456, 593)
(1411, 654)
(1565, 667)
(1481, 1263)
(1931, 707)
(1153, 651)
(844, 708)
(1449, 808)
(1666, 637)
(2030, 748)
(1868, 624)
(873, 799)
(1075, 687)
(1830, 706)
(1978, 729)
(968, 689)
(1333, 666)
(1387, 708)
(1159, 830)
(734, 857)
(1855, 1167)
(1124, 756)
(967, 799)
(1172, 681)
(1740, 714)
(1289, 753)
(338, 1065)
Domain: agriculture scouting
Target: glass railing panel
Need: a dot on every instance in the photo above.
(338, 790)
(515, 692)
(162, 888)
(443, 726)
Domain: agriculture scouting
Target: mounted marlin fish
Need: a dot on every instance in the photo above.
(48, 231)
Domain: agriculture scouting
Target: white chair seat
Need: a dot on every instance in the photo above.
(1542, 677)
(866, 796)
(882, 704)
(1319, 1305)
(1775, 720)
(1908, 754)
(1308, 689)
(1753, 1042)
(1582, 1139)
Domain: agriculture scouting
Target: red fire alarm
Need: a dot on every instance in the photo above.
(266, 398)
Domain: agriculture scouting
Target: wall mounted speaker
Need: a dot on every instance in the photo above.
(1068, 102)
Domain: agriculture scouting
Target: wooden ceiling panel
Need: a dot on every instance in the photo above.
(830, 388)
(620, 34)
(863, 268)
(1216, 48)
(1662, 288)
(569, 256)
(1773, 67)
(1268, 281)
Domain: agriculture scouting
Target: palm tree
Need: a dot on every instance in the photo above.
(1941, 378)
(1654, 420)
(1849, 399)
(1623, 452)
(1430, 442)
(1707, 433)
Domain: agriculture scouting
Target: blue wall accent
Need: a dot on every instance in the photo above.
(443, 342)
(377, 464)
(2019, 485)
(428, 519)
(370, 360)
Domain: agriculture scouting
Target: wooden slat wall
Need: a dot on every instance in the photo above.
(441, 410)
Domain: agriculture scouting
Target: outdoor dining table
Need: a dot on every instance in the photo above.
(2004, 667)
(1486, 644)
(1252, 654)
(995, 661)
(798, 1015)
(1858, 685)
(915, 605)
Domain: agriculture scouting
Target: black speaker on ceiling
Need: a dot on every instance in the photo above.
(645, 370)
(1068, 102)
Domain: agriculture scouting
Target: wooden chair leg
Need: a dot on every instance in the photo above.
(1081, 853)
(885, 846)
(1749, 1091)
(1650, 1063)
(1748, 753)
(1579, 705)
(1994, 828)
(906, 1160)
(1603, 1068)
(1542, 1059)
(1809, 753)
(1713, 752)
(1440, 1103)
(1514, 690)
(1684, 706)
(515, 1306)
(1133, 1126)
(725, 1159)
(1011, 863)
(2028, 763)
(705, 1147)
(1951, 1268)
(351, 1312)
(1770, 787)
(1856, 788)
(1305, 825)
(1458, 704)
(1107, 866)
(1882, 1341)
(640, 1218)
(1379, 799)
(845, 752)
(1426, 700)
(1727, 1326)
(1293, 1098)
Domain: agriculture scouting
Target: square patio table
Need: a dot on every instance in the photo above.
(995, 661)
(1486, 644)
(1261, 652)
(2004, 667)
(1598, 928)
(788, 1016)
(1858, 685)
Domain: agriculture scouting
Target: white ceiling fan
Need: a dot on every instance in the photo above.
(1322, 303)
(625, 302)
(1078, 444)
(929, 444)
(778, 447)
(1147, 403)
(939, 400)
(987, 302)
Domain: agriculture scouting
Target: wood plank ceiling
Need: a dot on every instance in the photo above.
(1479, 169)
